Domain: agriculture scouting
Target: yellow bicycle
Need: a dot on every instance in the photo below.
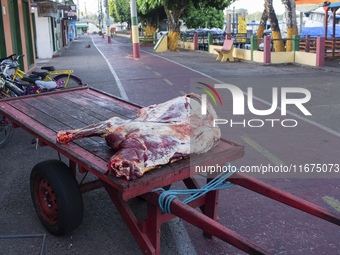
(64, 77)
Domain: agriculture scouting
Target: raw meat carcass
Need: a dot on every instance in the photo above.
(159, 135)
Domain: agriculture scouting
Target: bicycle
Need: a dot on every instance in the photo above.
(6, 129)
(33, 85)
(63, 78)
(12, 88)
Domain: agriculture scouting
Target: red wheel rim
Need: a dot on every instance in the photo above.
(46, 200)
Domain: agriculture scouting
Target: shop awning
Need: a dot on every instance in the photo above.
(310, 5)
(335, 4)
(60, 6)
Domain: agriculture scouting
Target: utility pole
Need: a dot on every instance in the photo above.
(101, 17)
(78, 11)
(135, 31)
(108, 21)
(99, 14)
(85, 15)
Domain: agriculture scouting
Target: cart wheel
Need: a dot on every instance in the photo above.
(56, 197)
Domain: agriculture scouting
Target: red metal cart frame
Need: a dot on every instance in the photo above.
(44, 115)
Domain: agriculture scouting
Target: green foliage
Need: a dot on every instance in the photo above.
(152, 17)
(149, 4)
(171, 4)
(256, 16)
(113, 9)
(175, 8)
(120, 10)
(146, 6)
(93, 18)
(198, 17)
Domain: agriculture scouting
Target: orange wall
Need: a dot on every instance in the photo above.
(8, 36)
(7, 27)
(22, 33)
(33, 44)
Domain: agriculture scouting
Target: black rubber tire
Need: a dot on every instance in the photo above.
(6, 132)
(13, 91)
(72, 81)
(8, 93)
(63, 189)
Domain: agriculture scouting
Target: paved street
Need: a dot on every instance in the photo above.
(155, 78)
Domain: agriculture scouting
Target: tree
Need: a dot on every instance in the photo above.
(120, 11)
(151, 16)
(269, 13)
(174, 9)
(209, 16)
(262, 25)
(274, 24)
(93, 18)
(291, 22)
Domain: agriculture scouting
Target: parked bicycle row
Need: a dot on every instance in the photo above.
(14, 83)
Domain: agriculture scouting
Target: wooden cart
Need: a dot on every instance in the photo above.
(45, 114)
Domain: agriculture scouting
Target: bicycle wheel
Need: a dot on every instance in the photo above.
(72, 80)
(12, 89)
(6, 131)
(7, 94)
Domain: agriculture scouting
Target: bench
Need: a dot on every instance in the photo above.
(147, 38)
(226, 52)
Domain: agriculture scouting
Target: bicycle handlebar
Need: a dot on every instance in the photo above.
(18, 57)
(9, 57)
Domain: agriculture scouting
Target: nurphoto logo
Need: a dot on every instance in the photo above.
(238, 98)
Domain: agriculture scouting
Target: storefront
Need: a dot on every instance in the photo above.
(16, 32)
(82, 28)
(51, 27)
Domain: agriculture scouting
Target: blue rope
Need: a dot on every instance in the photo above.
(219, 182)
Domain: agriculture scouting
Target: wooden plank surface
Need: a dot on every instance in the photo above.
(45, 114)
(56, 120)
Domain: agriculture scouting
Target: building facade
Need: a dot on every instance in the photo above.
(34, 28)
(16, 32)
(52, 23)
